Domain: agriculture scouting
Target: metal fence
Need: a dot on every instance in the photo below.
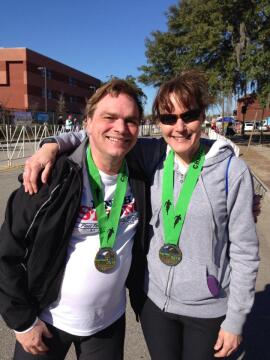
(18, 142)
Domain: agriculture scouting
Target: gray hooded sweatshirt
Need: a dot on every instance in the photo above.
(218, 238)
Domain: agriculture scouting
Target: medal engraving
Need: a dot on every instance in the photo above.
(170, 254)
(105, 260)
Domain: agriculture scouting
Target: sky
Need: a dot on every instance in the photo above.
(98, 37)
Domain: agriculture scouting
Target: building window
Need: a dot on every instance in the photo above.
(72, 81)
(72, 99)
(49, 94)
(49, 74)
(92, 88)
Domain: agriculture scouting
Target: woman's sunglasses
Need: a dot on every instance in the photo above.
(187, 116)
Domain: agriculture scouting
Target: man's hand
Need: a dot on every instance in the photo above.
(256, 206)
(32, 341)
(226, 343)
(42, 160)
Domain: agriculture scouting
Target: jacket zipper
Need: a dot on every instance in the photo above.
(168, 288)
(33, 222)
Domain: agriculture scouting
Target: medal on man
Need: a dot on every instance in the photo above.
(105, 260)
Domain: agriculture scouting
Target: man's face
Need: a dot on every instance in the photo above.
(113, 128)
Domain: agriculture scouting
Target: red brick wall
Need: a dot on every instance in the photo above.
(254, 110)
(21, 82)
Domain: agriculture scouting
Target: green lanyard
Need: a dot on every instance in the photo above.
(107, 223)
(174, 217)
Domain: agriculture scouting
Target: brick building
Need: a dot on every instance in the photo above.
(249, 109)
(25, 75)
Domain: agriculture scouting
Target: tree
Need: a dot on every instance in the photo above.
(220, 37)
(61, 105)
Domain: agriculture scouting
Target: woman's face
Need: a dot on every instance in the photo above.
(183, 137)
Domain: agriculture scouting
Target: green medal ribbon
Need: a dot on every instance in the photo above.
(107, 223)
(174, 216)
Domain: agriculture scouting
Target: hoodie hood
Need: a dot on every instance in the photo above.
(219, 150)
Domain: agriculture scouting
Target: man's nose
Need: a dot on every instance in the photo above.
(120, 125)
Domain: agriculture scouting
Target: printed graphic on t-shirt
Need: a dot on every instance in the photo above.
(87, 217)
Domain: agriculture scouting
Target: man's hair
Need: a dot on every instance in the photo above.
(190, 89)
(114, 88)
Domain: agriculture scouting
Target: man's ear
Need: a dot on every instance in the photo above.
(88, 125)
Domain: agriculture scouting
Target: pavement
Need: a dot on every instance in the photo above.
(257, 330)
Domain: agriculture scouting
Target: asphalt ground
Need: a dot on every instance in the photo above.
(257, 330)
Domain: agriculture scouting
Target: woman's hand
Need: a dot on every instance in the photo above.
(226, 343)
(41, 161)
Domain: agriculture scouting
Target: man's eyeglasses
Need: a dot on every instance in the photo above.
(187, 116)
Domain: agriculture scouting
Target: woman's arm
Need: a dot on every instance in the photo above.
(243, 258)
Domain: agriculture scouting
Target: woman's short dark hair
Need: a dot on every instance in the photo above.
(114, 88)
(190, 89)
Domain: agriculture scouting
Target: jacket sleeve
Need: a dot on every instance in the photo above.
(16, 306)
(68, 141)
(243, 251)
(146, 155)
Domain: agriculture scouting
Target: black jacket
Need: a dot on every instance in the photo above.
(35, 235)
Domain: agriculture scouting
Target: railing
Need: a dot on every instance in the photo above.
(259, 187)
(18, 142)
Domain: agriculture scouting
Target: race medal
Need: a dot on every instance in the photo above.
(173, 216)
(105, 260)
(170, 254)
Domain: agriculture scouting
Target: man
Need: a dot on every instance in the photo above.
(65, 252)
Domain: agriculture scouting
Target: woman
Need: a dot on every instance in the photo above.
(198, 297)
(202, 250)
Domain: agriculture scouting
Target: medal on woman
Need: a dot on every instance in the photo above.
(105, 260)
(170, 254)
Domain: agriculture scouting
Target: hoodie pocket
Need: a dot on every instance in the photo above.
(189, 284)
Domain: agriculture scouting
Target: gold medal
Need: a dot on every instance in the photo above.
(105, 260)
(170, 254)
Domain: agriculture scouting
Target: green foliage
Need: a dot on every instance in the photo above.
(228, 39)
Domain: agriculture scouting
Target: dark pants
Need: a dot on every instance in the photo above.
(174, 337)
(107, 344)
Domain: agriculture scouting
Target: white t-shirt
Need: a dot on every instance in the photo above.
(89, 300)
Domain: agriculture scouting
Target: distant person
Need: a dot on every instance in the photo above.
(76, 124)
(60, 120)
(69, 123)
(230, 131)
(214, 126)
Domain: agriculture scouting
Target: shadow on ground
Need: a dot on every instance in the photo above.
(257, 139)
(256, 345)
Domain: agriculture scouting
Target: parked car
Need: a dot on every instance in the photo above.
(262, 126)
(249, 126)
